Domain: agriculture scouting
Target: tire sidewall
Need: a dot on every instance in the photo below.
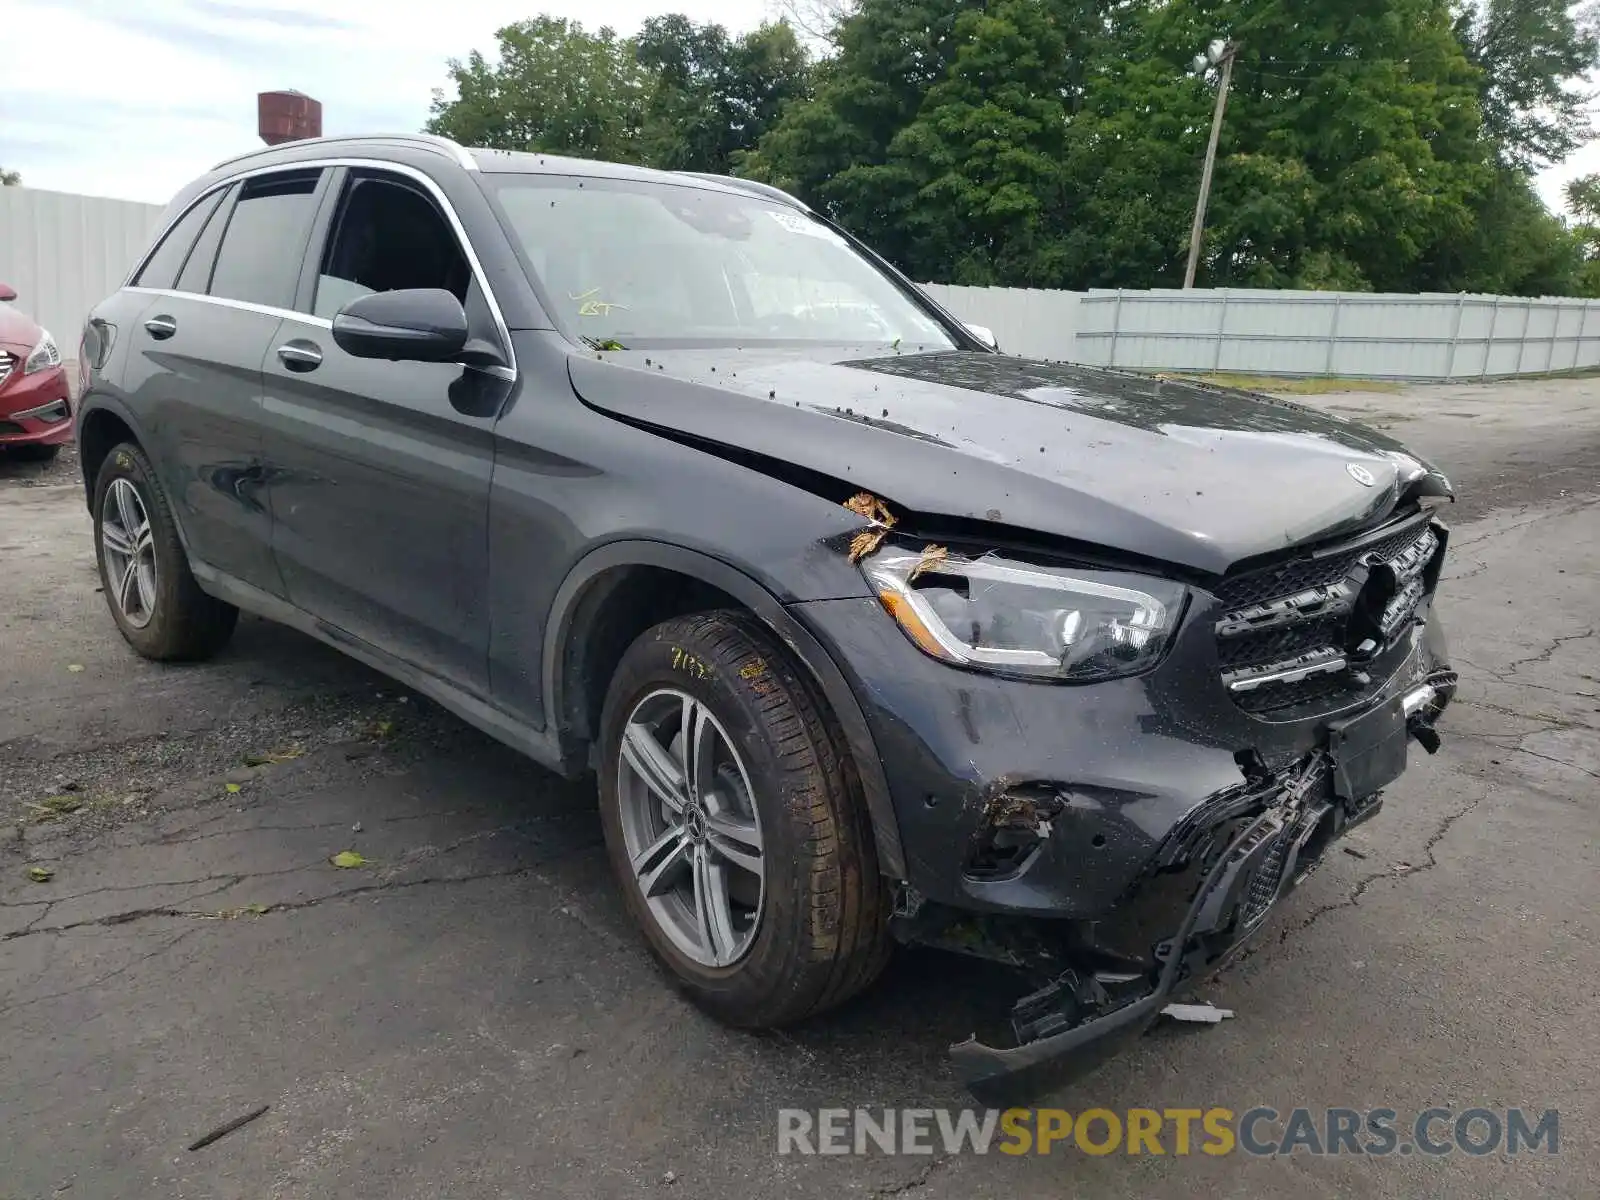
(127, 462)
(665, 658)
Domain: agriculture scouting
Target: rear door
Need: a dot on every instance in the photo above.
(214, 306)
(379, 471)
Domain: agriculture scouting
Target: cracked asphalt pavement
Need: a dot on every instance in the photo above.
(469, 1014)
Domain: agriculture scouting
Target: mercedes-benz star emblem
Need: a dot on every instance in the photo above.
(1360, 474)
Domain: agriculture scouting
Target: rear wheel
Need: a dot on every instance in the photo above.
(735, 826)
(144, 572)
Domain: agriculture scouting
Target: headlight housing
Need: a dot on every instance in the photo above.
(44, 355)
(1012, 618)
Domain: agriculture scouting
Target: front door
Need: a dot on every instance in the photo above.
(378, 472)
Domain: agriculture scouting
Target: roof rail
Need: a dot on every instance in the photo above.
(429, 141)
(749, 185)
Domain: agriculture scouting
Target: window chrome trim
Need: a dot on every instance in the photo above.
(269, 310)
(404, 170)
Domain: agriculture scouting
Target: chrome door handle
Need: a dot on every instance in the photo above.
(161, 327)
(300, 355)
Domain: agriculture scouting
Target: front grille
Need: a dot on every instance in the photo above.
(1317, 632)
(1264, 884)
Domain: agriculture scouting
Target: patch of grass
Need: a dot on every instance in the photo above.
(1313, 386)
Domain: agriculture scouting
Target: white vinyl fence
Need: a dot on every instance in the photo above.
(1421, 337)
(65, 253)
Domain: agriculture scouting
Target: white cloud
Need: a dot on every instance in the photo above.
(134, 100)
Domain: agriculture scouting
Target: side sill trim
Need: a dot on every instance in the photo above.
(538, 745)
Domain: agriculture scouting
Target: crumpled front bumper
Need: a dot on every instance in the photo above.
(1275, 838)
(1159, 821)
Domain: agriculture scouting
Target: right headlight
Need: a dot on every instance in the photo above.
(1013, 618)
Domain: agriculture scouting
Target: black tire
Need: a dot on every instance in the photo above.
(823, 932)
(34, 452)
(185, 623)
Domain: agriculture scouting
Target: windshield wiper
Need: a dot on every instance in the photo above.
(602, 343)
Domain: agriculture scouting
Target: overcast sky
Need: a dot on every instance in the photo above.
(133, 98)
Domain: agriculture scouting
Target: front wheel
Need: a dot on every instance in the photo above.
(735, 826)
(144, 571)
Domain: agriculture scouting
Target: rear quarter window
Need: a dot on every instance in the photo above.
(162, 268)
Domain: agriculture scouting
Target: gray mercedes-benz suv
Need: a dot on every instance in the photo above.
(868, 631)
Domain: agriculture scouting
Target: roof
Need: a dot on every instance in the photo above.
(510, 162)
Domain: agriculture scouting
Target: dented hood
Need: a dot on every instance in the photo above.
(1184, 473)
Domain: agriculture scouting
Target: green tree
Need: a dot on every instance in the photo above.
(831, 150)
(711, 96)
(9, 178)
(554, 87)
(977, 173)
(1583, 200)
(1532, 57)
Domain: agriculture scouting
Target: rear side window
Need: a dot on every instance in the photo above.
(196, 275)
(266, 240)
(161, 271)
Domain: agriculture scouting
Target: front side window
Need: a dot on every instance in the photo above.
(162, 268)
(645, 264)
(388, 236)
(265, 240)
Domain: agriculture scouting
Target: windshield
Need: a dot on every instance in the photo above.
(642, 264)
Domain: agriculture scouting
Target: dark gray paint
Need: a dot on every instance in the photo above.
(449, 526)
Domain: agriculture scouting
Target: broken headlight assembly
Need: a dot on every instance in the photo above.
(1013, 618)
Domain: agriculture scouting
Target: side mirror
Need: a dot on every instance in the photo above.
(412, 325)
(7, 293)
(984, 334)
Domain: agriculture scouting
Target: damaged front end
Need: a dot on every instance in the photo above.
(1098, 983)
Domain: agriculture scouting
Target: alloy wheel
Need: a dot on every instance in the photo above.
(691, 829)
(127, 547)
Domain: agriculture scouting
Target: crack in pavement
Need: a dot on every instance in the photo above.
(100, 979)
(284, 906)
(1515, 526)
(1541, 718)
(1560, 762)
(920, 1179)
(247, 829)
(1353, 900)
(1545, 655)
(130, 916)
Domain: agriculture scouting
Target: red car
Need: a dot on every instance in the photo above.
(35, 404)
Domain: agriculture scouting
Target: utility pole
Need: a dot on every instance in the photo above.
(1221, 54)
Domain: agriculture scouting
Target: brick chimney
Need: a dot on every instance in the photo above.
(287, 116)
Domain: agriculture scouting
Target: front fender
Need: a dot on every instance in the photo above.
(565, 616)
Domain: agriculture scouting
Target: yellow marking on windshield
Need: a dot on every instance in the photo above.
(590, 307)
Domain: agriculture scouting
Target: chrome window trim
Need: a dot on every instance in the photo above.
(404, 170)
(269, 310)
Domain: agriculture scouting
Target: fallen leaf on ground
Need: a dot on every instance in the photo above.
(75, 668)
(347, 860)
(41, 874)
(232, 787)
